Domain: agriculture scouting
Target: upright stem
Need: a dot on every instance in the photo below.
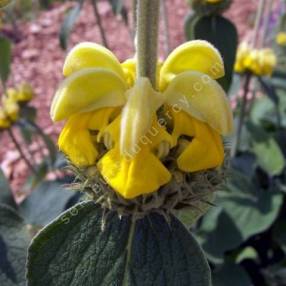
(164, 11)
(242, 115)
(11, 17)
(22, 154)
(134, 19)
(259, 15)
(147, 38)
(264, 30)
(99, 22)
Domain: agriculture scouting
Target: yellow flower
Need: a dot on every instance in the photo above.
(260, 62)
(25, 93)
(281, 38)
(126, 128)
(242, 53)
(4, 121)
(10, 107)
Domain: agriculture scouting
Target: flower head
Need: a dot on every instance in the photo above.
(4, 120)
(281, 38)
(25, 92)
(128, 129)
(9, 110)
(260, 62)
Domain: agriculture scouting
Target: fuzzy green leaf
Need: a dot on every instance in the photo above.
(243, 211)
(14, 242)
(253, 210)
(45, 203)
(74, 250)
(264, 146)
(217, 234)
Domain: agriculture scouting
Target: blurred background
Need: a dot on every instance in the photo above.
(244, 233)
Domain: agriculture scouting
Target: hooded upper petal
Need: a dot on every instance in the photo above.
(195, 55)
(91, 55)
(201, 97)
(87, 90)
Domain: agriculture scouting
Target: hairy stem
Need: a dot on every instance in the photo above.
(147, 38)
(99, 22)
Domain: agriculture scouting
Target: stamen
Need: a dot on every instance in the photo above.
(107, 141)
(163, 150)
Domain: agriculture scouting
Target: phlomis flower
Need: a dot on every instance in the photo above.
(128, 129)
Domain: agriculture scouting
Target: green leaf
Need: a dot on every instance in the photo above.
(14, 241)
(269, 90)
(36, 178)
(243, 211)
(190, 215)
(6, 195)
(262, 110)
(217, 234)
(252, 210)
(5, 59)
(75, 250)
(45, 203)
(223, 35)
(231, 273)
(68, 24)
(278, 80)
(269, 155)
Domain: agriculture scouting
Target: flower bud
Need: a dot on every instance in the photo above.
(11, 108)
(25, 93)
(281, 39)
(4, 121)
